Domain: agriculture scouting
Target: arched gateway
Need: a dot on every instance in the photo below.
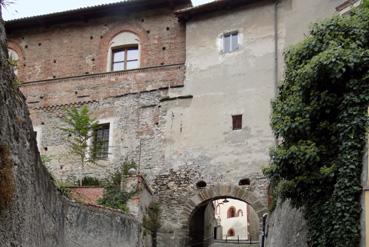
(194, 208)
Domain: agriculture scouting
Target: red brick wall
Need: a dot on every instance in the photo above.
(58, 92)
(79, 48)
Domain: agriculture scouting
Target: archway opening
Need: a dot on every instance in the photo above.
(224, 221)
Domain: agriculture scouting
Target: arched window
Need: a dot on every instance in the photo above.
(13, 60)
(230, 233)
(124, 52)
(240, 213)
(231, 212)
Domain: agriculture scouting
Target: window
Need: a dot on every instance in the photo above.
(124, 52)
(201, 184)
(13, 60)
(124, 58)
(244, 181)
(237, 122)
(230, 233)
(101, 141)
(230, 42)
(239, 213)
(231, 212)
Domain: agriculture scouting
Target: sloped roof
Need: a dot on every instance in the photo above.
(216, 5)
(92, 11)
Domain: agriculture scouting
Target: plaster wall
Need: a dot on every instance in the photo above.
(295, 18)
(199, 143)
(200, 130)
(239, 223)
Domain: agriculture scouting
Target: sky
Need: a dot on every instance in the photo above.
(23, 8)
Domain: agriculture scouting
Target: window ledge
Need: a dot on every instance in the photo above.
(103, 74)
(347, 5)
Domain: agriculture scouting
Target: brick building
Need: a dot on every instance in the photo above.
(183, 91)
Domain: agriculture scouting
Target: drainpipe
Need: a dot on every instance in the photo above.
(276, 47)
(264, 232)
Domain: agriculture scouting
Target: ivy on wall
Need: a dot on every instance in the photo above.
(320, 119)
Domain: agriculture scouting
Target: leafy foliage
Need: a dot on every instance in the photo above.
(320, 119)
(90, 181)
(113, 196)
(79, 133)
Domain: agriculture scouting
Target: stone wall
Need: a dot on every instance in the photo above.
(36, 214)
(134, 135)
(286, 227)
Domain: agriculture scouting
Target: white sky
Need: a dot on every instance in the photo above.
(22, 8)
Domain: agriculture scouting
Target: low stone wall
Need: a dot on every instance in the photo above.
(286, 227)
(97, 227)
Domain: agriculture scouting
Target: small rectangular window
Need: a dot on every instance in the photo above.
(101, 141)
(125, 58)
(230, 42)
(236, 122)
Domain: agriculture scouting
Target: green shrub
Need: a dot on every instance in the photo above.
(320, 119)
(91, 181)
(114, 198)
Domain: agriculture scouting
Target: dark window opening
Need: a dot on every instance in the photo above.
(230, 42)
(201, 184)
(101, 142)
(230, 233)
(236, 122)
(245, 181)
(124, 58)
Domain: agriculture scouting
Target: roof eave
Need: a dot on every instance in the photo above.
(217, 5)
(89, 12)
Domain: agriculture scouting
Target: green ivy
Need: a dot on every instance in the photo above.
(320, 120)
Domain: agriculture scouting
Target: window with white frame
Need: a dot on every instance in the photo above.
(124, 52)
(230, 42)
(13, 60)
(124, 58)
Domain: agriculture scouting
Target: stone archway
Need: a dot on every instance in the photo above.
(202, 196)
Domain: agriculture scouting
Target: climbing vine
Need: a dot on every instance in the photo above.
(320, 119)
